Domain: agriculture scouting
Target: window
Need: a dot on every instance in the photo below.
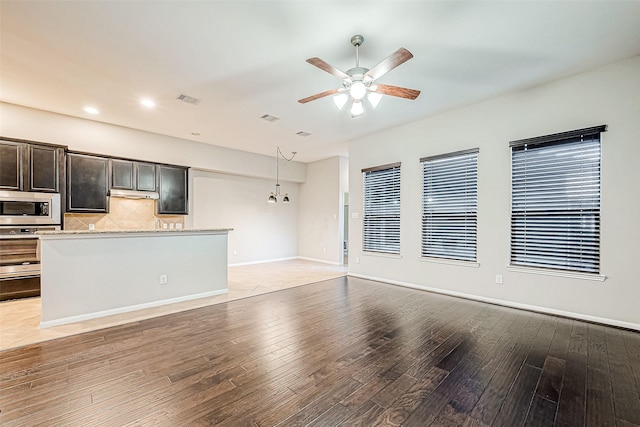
(450, 205)
(555, 201)
(381, 213)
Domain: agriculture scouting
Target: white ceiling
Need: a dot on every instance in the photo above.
(246, 59)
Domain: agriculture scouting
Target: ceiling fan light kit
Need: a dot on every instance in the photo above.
(357, 109)
(357, 82)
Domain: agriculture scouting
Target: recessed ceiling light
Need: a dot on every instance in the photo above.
(195, 134)
(303, 133)
(147, 103)
(91, 110)
(269, 118)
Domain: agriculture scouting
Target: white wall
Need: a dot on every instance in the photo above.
(99, 274)
(321, 211)
(261, 231)
(232, 194)
(608, 95)
(101, 138)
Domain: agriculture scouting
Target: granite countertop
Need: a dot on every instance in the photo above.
(124, 232)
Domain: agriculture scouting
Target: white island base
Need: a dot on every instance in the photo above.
(86, 275)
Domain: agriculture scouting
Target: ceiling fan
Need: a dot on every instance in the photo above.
(359, 82)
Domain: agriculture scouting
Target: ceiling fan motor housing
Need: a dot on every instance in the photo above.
(357, 40)
(357, 73)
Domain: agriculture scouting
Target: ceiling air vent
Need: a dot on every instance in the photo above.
(188, 99)
(303, 133)
(269, 118)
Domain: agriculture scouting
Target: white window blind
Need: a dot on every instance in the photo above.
(555, 201)
(381, 211)
(450, 205)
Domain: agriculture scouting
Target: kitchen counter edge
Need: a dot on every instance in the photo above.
(116, 233)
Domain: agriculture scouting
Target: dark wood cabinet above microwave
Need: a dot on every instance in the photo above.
(31, 167)
(11, 155)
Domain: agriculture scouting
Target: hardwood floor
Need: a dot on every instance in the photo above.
(344, 351)
(20, 319)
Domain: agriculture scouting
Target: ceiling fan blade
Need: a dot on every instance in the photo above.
(328, 68)
(400, 92)
(318, 96)
(398, 57)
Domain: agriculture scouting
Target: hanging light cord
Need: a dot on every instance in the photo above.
(293, 154)
(279, 153)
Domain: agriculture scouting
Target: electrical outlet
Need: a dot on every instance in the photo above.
(235, 252)
(357, 260)
(163, 279)
(499, 279)
(92, 227)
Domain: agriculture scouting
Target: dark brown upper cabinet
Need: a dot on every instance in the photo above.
(122, 174)
(145, 176)
(87, 183)
(30, 167)
(44, 167)
(11, 154)
(90, 177)
(173, 190)
(132, 175)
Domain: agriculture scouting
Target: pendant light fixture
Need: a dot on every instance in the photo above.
(273, 197)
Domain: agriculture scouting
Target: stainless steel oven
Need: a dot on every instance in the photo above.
(18, 208)
(20, 261)
(21, 215)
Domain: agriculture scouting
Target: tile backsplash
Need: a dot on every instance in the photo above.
(124, 214)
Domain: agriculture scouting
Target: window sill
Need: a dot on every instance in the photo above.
(558, 273)
(459, 263)
(381, 254)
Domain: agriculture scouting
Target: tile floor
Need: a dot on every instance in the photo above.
(20, 319)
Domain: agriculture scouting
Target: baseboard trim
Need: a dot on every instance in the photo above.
(240, 264)
(511, 304)
(264, 261)
(319, 260)
(127, 309)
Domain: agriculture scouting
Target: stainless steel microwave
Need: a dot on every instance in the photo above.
(26, 208)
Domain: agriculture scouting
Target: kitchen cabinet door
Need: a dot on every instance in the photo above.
(44, 168)
(146, 176)
(132, 175)
(122, 174)
(11, 154)
(172, 186)
(87, 183)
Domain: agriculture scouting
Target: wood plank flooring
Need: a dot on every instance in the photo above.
(20, 319)
(346, 352)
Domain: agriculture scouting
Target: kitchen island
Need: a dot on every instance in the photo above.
(89, 274)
